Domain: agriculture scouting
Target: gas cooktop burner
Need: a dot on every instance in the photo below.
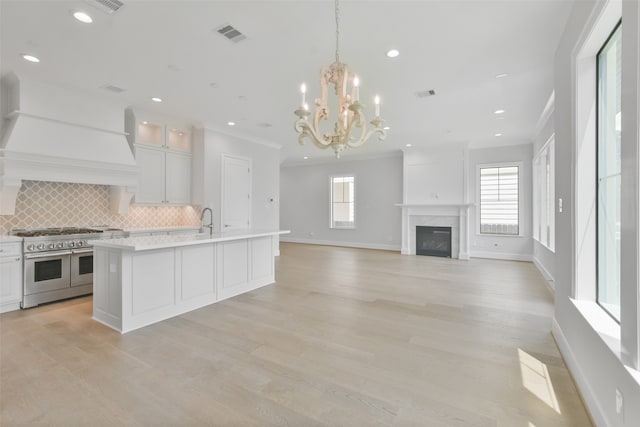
(64, 231)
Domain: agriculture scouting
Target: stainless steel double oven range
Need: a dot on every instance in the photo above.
(58, 263)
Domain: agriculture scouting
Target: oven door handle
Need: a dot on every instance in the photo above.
(47, 254)
(84, 251)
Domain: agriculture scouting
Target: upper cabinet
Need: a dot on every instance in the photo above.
(178, 139)
(149, 129)
(163, 154)
(150, 133)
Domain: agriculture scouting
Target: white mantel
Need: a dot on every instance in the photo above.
(437, 214)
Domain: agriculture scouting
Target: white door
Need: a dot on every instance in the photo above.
(236, 192)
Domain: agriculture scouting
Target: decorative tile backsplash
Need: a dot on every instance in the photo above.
(53, 204)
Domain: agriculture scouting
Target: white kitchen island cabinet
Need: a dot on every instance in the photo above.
(139, 281)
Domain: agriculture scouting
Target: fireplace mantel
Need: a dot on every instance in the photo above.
(416, 210)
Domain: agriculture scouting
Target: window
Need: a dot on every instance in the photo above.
(499, 200)
(342, 202)
(609, 173)
(544, 196)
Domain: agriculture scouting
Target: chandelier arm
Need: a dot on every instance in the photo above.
(306, 131)
(362, 124)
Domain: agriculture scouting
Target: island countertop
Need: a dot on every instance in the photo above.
(146, 243)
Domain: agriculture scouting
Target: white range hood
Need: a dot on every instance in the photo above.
(51, 134)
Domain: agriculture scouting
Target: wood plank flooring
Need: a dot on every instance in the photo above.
(346, 337)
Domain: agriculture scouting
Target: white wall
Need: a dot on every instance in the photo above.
(208, 147)
(591, 344)
(502, 247)
(435, 176)
(543, 257)
(305, 198)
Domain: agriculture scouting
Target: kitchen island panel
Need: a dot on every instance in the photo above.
(153, 277)
(197, 278)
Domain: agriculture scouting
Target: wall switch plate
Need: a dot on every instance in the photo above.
(619, 404)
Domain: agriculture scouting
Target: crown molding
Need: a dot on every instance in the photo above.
(240, 135)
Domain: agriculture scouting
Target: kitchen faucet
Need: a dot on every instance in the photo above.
(210, 225)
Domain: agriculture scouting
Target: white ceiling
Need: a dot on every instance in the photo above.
(170, 49)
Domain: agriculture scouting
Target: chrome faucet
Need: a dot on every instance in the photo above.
(210, 225)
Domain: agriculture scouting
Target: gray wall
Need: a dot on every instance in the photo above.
(305, 202)
(590, 343)
(503, 247)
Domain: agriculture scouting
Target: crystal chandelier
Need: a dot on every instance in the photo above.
(350, 127)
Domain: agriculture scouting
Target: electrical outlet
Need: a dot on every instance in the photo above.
(619, 404)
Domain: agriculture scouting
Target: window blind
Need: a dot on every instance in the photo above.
(499, 200)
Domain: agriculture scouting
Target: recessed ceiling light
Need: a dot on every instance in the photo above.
(30, 58)
(305, 157)
(386, 127)
(393, 53)
(498, 134)
(408, 145)
(156, 99)
(83, 17)
(499, 76)
(498, 112)
(231, 123)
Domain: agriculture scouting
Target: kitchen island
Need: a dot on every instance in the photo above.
(138, 281)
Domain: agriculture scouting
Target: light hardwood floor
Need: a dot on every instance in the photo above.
(346, 337)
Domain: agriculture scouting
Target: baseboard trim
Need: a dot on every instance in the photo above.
(594, 410)
(501, 255)
(545, 273)
(378, 246)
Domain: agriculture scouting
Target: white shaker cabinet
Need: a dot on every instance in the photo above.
(10, 276)
(178, 178)
(164, 177)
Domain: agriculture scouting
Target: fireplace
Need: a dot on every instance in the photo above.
(433, 241)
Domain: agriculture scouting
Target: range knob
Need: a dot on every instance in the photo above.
(52, 245)
(41, 246)
(60, 245)
(80, 243)
(31, 247)
(72, 244)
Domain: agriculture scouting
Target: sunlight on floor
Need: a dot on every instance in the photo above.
(535, 378)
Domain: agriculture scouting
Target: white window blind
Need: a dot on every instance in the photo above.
(499, 200)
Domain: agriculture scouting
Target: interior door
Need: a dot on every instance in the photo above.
(236, 192)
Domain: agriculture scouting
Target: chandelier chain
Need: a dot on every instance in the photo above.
(337, 11)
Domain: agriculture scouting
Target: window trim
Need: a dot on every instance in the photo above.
(535, 181)
(518, 164)
(331, 178)
(597, 172)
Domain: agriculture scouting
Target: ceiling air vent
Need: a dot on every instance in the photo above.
(107, 6)
(112, 88)
(231, 33)
(425, 93)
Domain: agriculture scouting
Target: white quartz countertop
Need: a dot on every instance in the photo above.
(146, 243)
(10, 239)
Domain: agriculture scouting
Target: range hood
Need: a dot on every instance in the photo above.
(41, 141)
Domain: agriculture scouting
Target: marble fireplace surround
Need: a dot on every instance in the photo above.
(455, 216)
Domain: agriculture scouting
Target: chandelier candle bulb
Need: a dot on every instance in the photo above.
(356, 83)
(303, 90)
(376, 101)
